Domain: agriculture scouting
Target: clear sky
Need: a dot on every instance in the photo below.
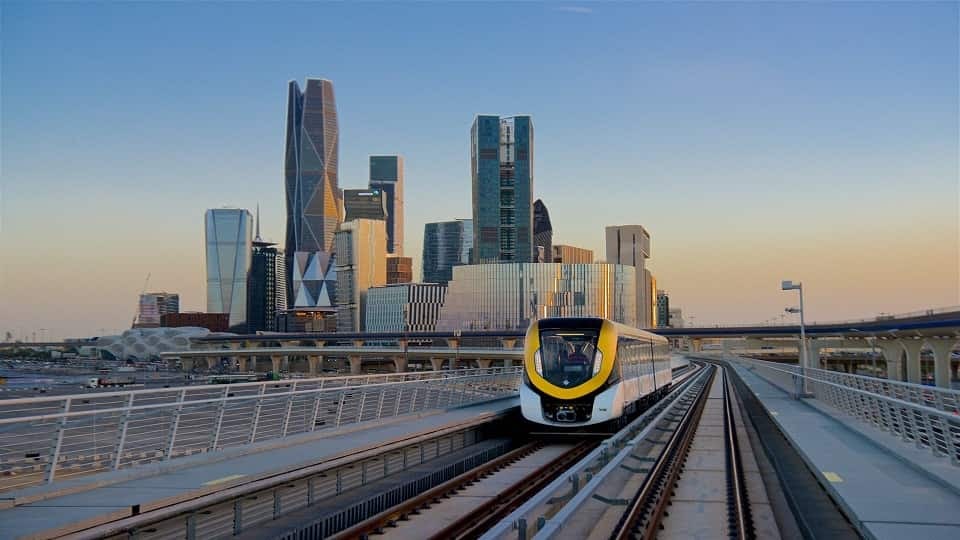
(756, 141)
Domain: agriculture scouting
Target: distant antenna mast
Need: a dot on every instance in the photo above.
(258, 223)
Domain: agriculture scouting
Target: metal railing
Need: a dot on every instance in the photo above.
(58, 437)
(926, 416)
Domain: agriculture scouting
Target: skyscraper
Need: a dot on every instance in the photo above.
(361, 264)
(229, 241)
(663, 309)
(399, 269)
(630, 245)
(446, 244)
(501, 166)
(314, 208)
(542, 232)
(266, 285)
(386, 174)
(571, 254)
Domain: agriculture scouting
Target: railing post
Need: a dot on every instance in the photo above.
(363, 401)
(174, 424)
(316, 407)
(256, 414)
(286, 416)
(58, 442)
(122, 439)
(383, 391)
(343, 396)
(221, 410)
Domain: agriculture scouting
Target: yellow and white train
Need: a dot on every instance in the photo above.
(587, 371)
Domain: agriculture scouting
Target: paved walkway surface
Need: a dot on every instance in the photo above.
(201, 474)
(890, 497)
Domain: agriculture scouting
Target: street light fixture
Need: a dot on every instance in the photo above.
(788, 285)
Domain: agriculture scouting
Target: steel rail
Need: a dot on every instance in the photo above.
(647, 507)
(738, 500)
(484, 516)
(377, 523)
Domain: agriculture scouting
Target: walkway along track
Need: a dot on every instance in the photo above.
(504, 498)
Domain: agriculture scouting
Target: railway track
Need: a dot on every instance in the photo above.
(695, 497)
(468, 505)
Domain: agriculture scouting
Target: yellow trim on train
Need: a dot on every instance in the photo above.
(607, 343)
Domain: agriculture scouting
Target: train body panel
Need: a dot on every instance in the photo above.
(586, 371)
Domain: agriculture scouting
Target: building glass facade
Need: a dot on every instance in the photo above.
(364, 204)
(266, 287)
(229, 242)
(361, 247)
(386, 174)
(630, 244)
(446, 244)
(399, 269)
(501, 161)
(571, 254)
(155, 305)
(509, 296)
(406, 307)
(542, 233)
(313, 196)
(663, 309)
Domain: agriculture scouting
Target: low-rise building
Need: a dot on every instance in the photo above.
(404, 307)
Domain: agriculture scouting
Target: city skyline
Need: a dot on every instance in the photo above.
(756, 164)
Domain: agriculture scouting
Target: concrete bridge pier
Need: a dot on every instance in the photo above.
(313, 361)
(508, 363)
(436, 363)
(813, 353)
(696, 345)
(399, 364)
(212, 362)
(912, 348)
(484, 362)
(892, 352)
(508, 343)
(187, 364)
(941, 360)
(241, 364)
(356, 365)
(276, 362)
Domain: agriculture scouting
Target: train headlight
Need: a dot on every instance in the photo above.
(538, 363)
(597, 362)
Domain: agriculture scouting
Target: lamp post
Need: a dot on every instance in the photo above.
(788, 285)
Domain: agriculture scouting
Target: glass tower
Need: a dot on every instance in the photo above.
(314, 208)
(386, 174)
(542, 232)
(501, 166)
(445, 244)
(228, 240)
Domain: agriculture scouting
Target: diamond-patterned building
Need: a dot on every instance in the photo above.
(314, 206)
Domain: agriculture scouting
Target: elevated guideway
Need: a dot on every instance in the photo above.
(887, 452)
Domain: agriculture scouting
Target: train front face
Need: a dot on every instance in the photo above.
(570, 373)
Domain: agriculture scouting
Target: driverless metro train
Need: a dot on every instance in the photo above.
(587, 371)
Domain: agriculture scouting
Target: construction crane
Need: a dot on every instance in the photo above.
(136, 311)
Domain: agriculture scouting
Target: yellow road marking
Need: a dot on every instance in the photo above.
(832, 477)
(224, 479)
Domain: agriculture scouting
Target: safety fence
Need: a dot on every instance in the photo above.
(923, 415)
(59, 437)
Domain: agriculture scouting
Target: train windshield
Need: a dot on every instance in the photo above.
(567, 356)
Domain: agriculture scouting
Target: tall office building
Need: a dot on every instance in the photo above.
(663, 309)
(361, 264)
(364, 204)
(501, 166)
(229, 243)
(571, 254)
(651, 299)
(153, 306)
(266, 285)
(446, 244)
(386, 174)
(542, 233)
(313, 196)
(630, 245)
